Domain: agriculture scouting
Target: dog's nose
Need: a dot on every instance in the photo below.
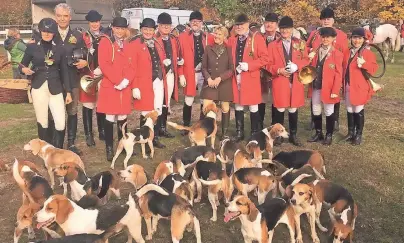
(293, 201)
(226, 205)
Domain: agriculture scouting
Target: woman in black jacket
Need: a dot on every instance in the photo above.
(49, 80)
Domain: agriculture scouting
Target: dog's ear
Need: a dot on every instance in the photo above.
(71, 174)
(35, 146)
(253, 212)
(289, 191)
(63, 211)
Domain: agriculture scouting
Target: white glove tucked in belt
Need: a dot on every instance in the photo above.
(122, 85)
(136, 94)
(180, 62)
(291, 67)
(167, 62)
(183, 81)
(360, 61)
(97, 72)
(243, 66)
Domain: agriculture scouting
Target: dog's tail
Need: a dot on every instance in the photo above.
(323, 158)
(299, 178)
(210, 183)
(16, 174)
(151, 187)
(123, 131)
(178, 127)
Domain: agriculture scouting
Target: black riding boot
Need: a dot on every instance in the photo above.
(225, 123)
(109, 139)
(318, 126)
(351, 127)
(330, 129)
(71, 134)
(359, 120)
(293, 117)
(50, 131)
(58, 138)
(312, 124)
(255, 120)
(43, 133)
(119, 125)
(278, 117)
(336, 116)
(156, 141)
(261, 110)
(88, 126)
(163, 126)
(186, 117)
(239, 125)
(201, 115)
(273, 113)
(100, 124)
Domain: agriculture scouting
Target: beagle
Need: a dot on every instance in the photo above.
(228, 148)
(25, 217)
(175, 183)
(343, 210)
(258, 222)
(142, 135)
(202, 129)
(157, 203)
(298, 158)
(135, 175)
(166, 168)
(52, 157)
(246, 180)
(75, 220)
(264, 141)
(103, 184)
(212, 175)
(188, 156)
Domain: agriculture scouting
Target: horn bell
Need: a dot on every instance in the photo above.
(307, 74)
(87, 83)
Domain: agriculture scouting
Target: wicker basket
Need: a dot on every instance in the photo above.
(13, 96)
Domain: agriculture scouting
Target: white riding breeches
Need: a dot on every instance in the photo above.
(189, 100)
(158, 89)
(251, 108)
(89, 105)
(170, 86)
(316, 104)
(43, 100)
(351, 108)
(290, 110)
(113, 118)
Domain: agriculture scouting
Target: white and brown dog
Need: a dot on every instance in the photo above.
(258, 223)
(135, 175)
(142, 135)
(263, 141)
(156, 203)
(166, 168)
(212, 175)
(343, 209)
(175, 183)
(202, 129)
(103, 184)
(52, 157)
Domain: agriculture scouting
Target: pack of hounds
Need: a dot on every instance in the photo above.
(260, 192)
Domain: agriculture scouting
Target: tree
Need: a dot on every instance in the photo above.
(15, 12)
(303, 12)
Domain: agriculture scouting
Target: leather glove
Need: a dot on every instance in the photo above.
(360, 61)
(122, 85)
(180, 62)
(243, 66)
(291, 67)
(97, 72)
(183, 81)
(167, 62)
(136, 94)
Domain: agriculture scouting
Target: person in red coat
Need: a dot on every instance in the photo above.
(402, 34)
(91, 39)
(325, 89)
(287, 56)
(114, 95)
(271, 34)
(149, 86)
(359, 61)
(249, 55)
(193, 43)
(173, 54)
(327, 18)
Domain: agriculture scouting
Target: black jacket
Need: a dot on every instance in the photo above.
(56, 73)
(74, 40)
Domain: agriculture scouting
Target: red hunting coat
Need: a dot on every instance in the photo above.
(187, 45)
(174, 62)
(250, 87)
(360, 90)
(110, 100)
(283, 96)
(314, 41)
(332, 76)
(142, 66)
(85, 97)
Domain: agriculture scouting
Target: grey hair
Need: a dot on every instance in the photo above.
(64, 6)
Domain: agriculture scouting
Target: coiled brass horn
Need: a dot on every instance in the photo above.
(87, 83)
(307, 74)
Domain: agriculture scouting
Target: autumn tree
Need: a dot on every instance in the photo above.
(15, 12)
(303, 12)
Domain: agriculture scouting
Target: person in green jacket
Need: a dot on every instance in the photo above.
(16, 47)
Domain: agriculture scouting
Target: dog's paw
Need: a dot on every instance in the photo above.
(149, 237)
(299, 240)
(214, 219)
(197, 200)
(316, 239)
(145, 157)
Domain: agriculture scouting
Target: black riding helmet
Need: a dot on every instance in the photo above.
(48, 25)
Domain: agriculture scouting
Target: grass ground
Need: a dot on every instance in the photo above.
(372, 172)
